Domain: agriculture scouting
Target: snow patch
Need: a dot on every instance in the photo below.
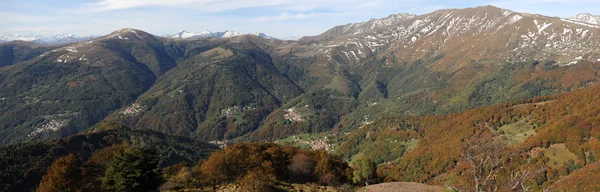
(71, 49)
(580, 23)
(543, 27)
(82, 58)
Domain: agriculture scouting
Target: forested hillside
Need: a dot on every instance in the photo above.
(546, 137)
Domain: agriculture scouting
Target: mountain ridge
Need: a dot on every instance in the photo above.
(183, 34)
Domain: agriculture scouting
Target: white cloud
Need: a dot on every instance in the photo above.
(285, 16)
(223, 5)
(202, 5)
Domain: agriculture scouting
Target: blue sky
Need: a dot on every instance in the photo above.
(279, 18)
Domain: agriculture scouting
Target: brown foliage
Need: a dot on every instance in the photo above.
(572, 118)
(240, 162)
(585, 179)
(93, 169)
(257, 181)
(302, 167)
(62, 175)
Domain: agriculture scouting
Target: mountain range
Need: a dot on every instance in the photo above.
(40, 39)
(436, 63)
(405, 90)
(183, 34)
(71, 38)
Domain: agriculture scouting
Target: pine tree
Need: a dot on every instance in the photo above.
(132, 169)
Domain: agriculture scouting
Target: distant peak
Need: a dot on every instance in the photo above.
(183, 34)
(585, 14)
(127, 30)
(586, 18)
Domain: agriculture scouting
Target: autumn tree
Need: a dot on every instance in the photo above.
(94, 168)
(132, 169)
(177, 176)
(302, 167)
(521, 173)
(257, 180)
(63, 175)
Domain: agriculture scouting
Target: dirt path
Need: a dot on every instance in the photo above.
(401, 187)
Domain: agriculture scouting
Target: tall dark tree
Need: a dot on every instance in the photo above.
(133, 169)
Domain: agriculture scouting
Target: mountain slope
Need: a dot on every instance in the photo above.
(221, 89)
(67, 89)
(357, 28)
(19, 51)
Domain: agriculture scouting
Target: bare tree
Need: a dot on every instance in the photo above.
(519, 177)
(485, 157)
(488, 156)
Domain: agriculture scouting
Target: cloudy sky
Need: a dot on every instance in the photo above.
(279, 18)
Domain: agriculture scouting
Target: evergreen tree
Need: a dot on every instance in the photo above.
(132, 169)
(591, 159)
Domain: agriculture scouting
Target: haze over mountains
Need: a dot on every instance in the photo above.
(54, 39)
(71, 38)
(373, 87)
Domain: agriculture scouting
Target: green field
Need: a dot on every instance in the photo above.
(559, 155)
(517, 132)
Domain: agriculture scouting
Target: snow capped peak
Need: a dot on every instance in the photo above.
(228, 34)
(52, 39)
(20, 37)
(586, 18)
(183, 34)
